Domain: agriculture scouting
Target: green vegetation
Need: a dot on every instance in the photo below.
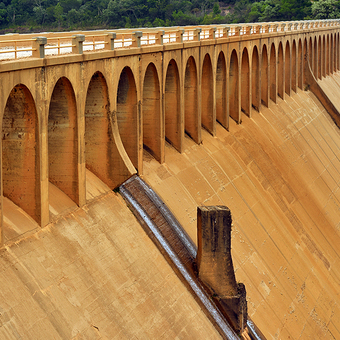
(30, 15)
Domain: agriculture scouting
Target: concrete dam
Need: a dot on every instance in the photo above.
(243, 116)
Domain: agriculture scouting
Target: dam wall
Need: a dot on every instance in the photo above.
(279, 175)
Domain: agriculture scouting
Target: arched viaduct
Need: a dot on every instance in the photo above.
(98, 110)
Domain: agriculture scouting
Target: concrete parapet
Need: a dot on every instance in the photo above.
(215, 265)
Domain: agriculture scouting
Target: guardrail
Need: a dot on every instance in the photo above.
(21, 46)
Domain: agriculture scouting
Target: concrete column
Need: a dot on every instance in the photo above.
(215, 265)
(39, 47)
(77, 43)
(110, 41)
(160, 35)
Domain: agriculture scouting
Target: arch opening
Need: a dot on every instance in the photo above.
(319, 75)
(127, 114)
(245, 88)
(255, 91)
(98, 132)
(20, 152)
(300, 65)
(294, 78)
(172, 106)
(280, 72)
(315, 58)
(63, 139)
(264, 76)
(287, 69)
(190, 97)
(272, 72)
(207, 94)
(151, 111)
(221, 90)
(233, 98)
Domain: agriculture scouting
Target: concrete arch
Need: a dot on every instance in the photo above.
(319, 75)
(98, 130)
(272, 72)
(280, 72)
(294, 67)
(300, 65)
(190, 100)
(255, 76)
(245, 83)
(287, 67)
(62, 126)
(264, 77)
(151, 112)
(127, 114)
(221, 90)
(207, 91)
(233, 97)
(172, 106)
(21, 176)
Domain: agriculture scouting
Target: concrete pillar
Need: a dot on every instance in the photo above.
(39, 47)
(77, 43)
(215, 265)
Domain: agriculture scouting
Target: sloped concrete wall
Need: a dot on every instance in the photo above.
(279, 174)
(94, 274)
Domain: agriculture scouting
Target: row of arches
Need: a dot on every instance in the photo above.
(234, 83)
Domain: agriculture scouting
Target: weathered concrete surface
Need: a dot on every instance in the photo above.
(93, 274)
(279, 175)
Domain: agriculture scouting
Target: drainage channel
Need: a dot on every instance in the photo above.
(178, 249)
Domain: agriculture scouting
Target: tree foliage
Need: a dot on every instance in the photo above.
(81, 14)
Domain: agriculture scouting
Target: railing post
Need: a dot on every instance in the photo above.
(248, 29)
(138, 35)
(226, 30)
(160, 35)
(39, 47)
(296, 26)
(282, 28)
(181, 33)
(275, 27)
(77, 43)
(213, 32)
(266, 28)
(198, 34)
(110, 41)
(257, 29)
(237, 30)
(289, 26)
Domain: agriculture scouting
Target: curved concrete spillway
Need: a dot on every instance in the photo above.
(279, 175)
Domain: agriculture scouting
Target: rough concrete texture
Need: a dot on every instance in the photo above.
(279, 175)
(93, 274)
